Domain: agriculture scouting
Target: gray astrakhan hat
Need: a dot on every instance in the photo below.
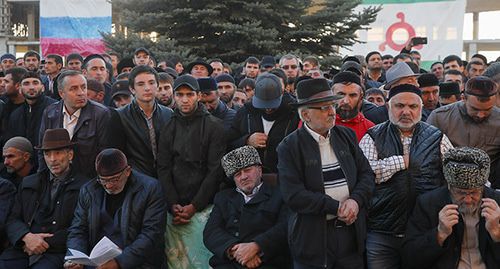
(240, 158)
(466, 168)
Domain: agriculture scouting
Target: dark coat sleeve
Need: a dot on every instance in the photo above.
(215, 236)
(7, 194)
(103, 130)
(237, 135)
(421, 248)
(44, 125)
(153, 229)
(78, 236)
(273, 241)
(210, 184)
(16, 227)
(165, 163)
(295, 194)
(117, 136)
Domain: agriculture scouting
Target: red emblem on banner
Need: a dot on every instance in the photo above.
(394, 27)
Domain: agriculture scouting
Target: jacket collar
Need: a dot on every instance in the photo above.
(263, 194)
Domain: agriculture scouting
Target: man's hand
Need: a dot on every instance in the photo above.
(257, 140)
(35, 244)
(70, 265)
(491, 212)
(448, 217)
(348, 211)
(111, 264)
(188, 212)
(244, 252)
(254, 263)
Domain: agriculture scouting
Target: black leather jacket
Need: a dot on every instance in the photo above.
(132, 135)
(142, 222)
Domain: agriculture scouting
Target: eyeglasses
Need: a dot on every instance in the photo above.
(286, 67)
(112, 180)
(462, 194)
(325, 107)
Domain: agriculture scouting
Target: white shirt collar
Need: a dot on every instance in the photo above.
(249, 197)
(315, 135)
(76, 114)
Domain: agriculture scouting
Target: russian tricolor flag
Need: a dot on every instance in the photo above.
(68, 26)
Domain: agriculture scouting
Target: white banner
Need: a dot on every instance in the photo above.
(441, 21)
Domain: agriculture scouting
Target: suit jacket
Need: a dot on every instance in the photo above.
(91, 134)
(262, 220)
(301, 181)
(421, 249)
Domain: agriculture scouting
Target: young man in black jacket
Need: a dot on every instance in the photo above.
(139, 123)
(189, 153)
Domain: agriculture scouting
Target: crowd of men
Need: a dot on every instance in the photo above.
(277, 164)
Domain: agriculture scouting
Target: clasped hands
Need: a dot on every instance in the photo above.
(182, 214)
(348, 211)
(246, 254)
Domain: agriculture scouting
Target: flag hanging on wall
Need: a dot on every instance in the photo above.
(68, 26)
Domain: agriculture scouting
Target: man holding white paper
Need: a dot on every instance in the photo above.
(125, 206)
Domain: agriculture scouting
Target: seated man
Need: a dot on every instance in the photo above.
(247, 226)
(127, 207)
(457, 226)
(7, 192)
(37, 225)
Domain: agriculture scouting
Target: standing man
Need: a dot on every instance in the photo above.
(142, 56)
(199, 69)
(449, 93)
(455, 76)
(53, 67)
(457, 226)
(348, 86)
(374, 66)
(189, 153)
(12, 84)
(438, 69)
(86, 121)
(7, 61)
(32, 61)
(212, 102)
(25, 120)
(429, 85)
(291, 65)
(38, 223)
(94, 67)
(74, 61)
(140, 122)
(226, 88)
(474, 121)
(217, 66)
(264, 122)
(252, 69)
(126, 206)
(327, 182)
(405, 154)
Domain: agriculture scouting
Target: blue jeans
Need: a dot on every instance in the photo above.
(383, 251)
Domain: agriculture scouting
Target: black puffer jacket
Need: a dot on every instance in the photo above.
(189, 154)
(248, 120)
(142, 222)
(393, 200)
(132, 135)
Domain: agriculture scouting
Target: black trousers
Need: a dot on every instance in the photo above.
(342, 249)
(21, 261)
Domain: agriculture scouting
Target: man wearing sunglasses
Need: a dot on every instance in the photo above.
(327, 183)
(124, 205)
(291, 65)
